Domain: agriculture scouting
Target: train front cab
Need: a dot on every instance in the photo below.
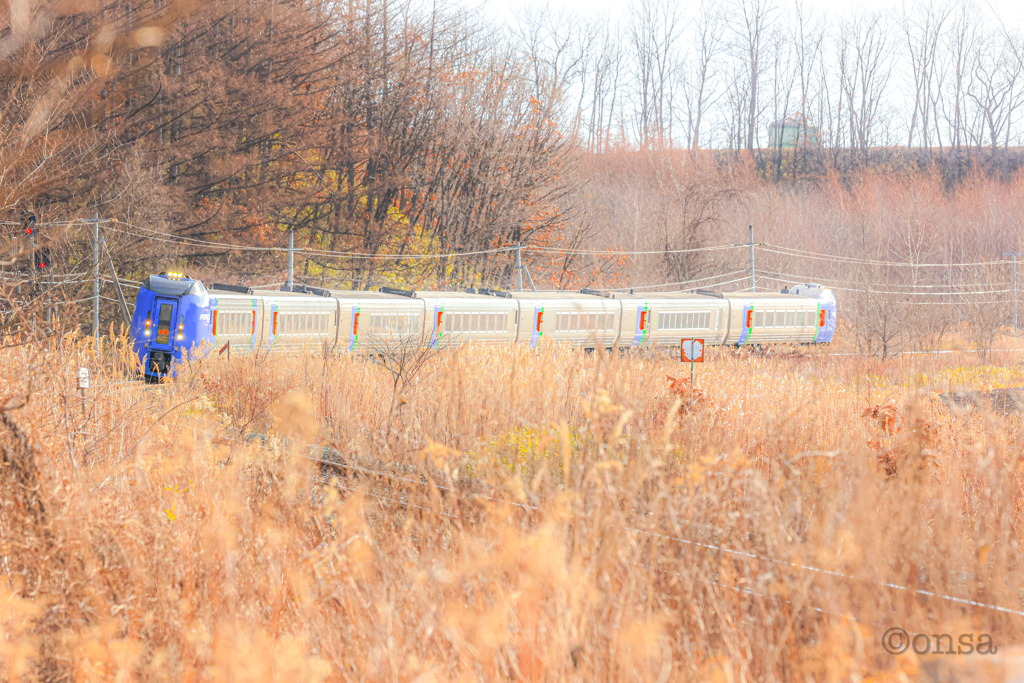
(172, 316)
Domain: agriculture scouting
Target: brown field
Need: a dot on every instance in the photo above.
(504, 514)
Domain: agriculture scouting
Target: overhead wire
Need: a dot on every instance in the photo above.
(180, 239)
(801, 279)
(684, 282)
(790, 251)
(950, 293)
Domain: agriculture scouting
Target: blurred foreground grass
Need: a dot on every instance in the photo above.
(502, 514)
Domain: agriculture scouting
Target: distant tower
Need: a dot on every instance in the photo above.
(793, 132)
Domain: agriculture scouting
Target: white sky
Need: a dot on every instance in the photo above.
(1010, 12)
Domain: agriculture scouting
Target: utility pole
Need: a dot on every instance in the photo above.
(291, 258)
(519, 264)
(1014, 255)
(96, 278)
(117, 286)
(752, 285)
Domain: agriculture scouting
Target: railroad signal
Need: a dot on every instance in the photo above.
(41, 259)
(28, 223)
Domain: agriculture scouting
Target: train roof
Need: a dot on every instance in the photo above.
(646, 296)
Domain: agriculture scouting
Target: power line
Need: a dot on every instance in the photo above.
(179, 239)
(783, 277)
(610, 252)
(789, 251)
(687, 282)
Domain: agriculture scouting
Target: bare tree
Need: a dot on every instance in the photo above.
(922, 25)
(654, 28)
(602, 85)
(996, 87)
(701, 89)
(808, 41)
(866, 60)
(961, 44)
(751, 25)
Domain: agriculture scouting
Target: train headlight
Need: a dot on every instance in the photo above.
(149, 322)
(181, 327)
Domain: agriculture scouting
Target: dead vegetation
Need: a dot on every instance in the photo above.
(521, 514)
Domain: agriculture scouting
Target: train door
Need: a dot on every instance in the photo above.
(165, 325)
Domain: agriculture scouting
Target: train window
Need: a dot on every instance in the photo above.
(163, 329)
(790, 317)
(769, 319)
(758, 318)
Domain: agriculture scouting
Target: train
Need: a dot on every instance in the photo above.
(176, 315)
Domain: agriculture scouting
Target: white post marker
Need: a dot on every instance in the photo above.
(83, 384)
(692, 350)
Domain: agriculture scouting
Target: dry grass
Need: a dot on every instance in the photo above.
(537, 515)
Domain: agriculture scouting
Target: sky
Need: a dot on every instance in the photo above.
(1010, 12)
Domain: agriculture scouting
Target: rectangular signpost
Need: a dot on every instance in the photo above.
(692, 350)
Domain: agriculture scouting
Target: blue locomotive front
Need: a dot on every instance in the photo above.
(172, 319)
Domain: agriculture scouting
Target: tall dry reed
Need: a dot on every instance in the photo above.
(500, 514)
